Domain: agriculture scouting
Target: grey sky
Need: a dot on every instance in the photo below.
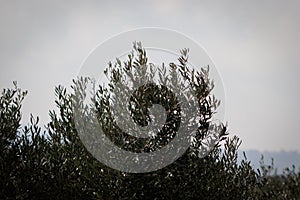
(254, 44)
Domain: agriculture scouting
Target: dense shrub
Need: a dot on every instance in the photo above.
(54, 164)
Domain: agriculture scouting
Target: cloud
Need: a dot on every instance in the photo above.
(254, 44)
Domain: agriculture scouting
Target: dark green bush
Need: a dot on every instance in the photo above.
(54, 164)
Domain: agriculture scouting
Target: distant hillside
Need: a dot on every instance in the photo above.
(282, 159)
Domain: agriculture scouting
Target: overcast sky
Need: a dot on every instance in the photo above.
(255, 45)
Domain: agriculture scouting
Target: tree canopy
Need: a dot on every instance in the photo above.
(56, 164)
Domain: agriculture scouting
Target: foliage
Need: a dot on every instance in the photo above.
(54, 164)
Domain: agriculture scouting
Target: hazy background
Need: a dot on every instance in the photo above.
(254, 45)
